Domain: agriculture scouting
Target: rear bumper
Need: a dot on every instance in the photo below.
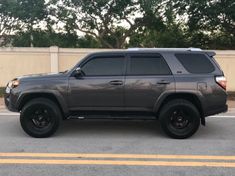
(217, 110)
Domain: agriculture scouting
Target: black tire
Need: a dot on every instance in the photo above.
(179, 119)
(40, 118)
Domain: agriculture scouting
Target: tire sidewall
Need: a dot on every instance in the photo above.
(165, 118)
(55, 115)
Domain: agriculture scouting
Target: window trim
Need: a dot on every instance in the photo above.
(157, 55)
(102, 57)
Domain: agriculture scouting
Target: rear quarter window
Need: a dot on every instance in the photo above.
(195, 63)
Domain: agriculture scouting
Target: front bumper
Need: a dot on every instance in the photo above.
(10, 101)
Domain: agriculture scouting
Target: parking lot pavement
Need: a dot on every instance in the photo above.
(105, 147)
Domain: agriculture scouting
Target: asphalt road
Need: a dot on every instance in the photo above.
(91, 147)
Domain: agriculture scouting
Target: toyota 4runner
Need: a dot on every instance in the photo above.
(179, 87)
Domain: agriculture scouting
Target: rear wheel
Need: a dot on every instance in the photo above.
(179, 119)
(40, 118)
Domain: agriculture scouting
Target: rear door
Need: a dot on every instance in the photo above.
(147, 77)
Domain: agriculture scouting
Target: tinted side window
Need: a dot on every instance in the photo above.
(148, 65)
(195, 63)
(105, 66)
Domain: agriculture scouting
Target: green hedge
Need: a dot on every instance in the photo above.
(2, 91)
(231, 95)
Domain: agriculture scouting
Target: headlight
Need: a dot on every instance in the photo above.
(14, 83)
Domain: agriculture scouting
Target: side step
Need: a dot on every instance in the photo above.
(111, 117)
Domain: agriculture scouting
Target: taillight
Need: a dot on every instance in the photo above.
(221, 80)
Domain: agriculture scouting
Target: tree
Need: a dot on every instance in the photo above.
(210, 15)
(9, 24)
(119, 23)
(160, 27)
(47, 38)
(103, 19)
(212, 20)
(31, 13)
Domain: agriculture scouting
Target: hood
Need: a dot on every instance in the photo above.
(40, 76)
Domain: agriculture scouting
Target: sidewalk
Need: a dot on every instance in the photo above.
(2, 106)
(231, 104)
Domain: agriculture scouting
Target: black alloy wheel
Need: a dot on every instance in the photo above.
(179, 119)
(40, 118)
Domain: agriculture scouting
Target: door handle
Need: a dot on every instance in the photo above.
(116, 82)
(163, 82)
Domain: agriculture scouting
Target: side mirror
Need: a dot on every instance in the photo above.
(78, 72)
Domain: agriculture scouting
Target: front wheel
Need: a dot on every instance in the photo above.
(179, 119)
(40, 118)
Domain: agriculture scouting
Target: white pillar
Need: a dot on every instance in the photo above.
(54, 55)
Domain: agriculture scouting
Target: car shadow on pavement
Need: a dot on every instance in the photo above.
(216, 128)
(107, 128)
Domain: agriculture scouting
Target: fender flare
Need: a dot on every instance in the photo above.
(57, 95)
(165, 95)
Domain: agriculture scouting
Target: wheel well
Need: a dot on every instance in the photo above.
(186, 96)
(30, 97)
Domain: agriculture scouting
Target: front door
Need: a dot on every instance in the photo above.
(101, 87)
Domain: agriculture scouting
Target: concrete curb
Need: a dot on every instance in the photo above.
(9, 114)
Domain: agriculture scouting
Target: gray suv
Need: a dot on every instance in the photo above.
(179, 87)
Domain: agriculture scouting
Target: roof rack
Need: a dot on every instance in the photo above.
(176, 49)
(194, 49)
